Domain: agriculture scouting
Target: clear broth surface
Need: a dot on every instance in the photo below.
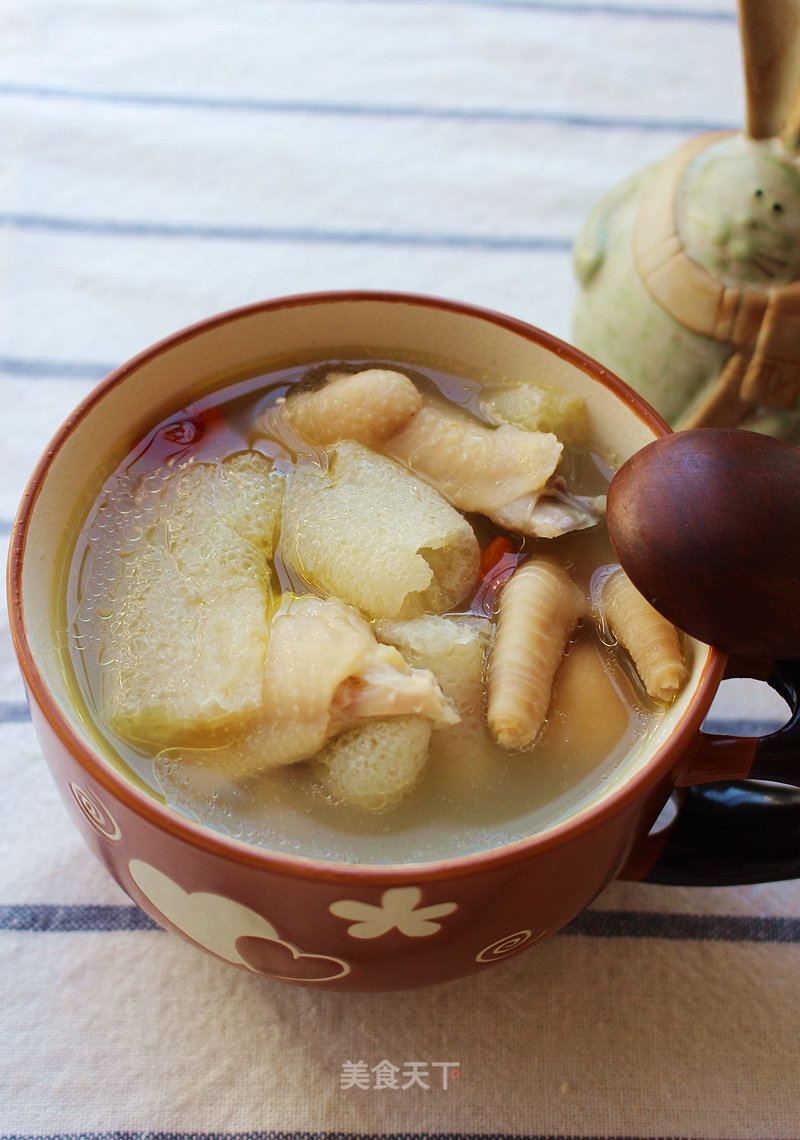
(485, 798)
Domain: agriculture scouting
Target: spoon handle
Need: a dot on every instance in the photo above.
(777, 756)
(743, 831)
(770, 36)
(731, 833)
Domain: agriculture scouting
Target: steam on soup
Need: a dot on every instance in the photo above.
(365, 612)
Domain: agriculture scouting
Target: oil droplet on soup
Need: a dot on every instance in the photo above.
(234, 533)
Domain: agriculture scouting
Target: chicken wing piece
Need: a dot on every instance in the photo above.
(368, 406)
(325, 673)
(505, 472)
(556, 511)
(477, 467)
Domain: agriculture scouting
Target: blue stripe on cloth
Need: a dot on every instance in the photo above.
(50, 919)
(58, 369)
(711, 15)
(138, 229)
(684, 927)
(152, 1134)
(366, 110)
(41, 918)
(14, 712)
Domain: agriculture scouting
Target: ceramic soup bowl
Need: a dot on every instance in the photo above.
(398, 917)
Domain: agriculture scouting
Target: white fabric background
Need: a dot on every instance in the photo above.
(163, 161)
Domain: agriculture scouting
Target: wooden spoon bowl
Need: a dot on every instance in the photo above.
(706, 524)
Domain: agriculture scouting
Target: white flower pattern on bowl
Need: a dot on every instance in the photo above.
(397, 910)
(232, 931)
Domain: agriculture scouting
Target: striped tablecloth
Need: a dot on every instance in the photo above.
(160, 161)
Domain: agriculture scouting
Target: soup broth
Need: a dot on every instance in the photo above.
(472, 793)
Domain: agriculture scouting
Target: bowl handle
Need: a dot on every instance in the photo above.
(743, 830)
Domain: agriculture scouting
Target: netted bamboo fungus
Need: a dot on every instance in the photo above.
(370, 532)
(454, 649)
(538, 407)
(539, 608)
(649, 638)
(375, 765)
(176, 606)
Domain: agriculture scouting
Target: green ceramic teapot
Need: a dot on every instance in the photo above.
(689, 271)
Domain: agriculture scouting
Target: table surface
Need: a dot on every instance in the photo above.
(160, 162)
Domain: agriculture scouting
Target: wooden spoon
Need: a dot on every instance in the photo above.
(706, 524)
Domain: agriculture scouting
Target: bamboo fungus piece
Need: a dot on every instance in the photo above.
(649, 638)
(539, 608)
(370, 532)
(187, 596)
(374, 765)
(454, 649)
(368, 407)
(538, 407)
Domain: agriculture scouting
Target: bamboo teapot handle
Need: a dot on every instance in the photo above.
(770, 38)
